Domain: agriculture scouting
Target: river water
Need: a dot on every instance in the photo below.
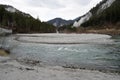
(101, 56)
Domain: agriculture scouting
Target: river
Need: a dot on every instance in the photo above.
(68, 51)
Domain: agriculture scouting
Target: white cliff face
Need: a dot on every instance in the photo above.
(10, 9)
(89, 14)
(83, 19)
(55, 24)
(105, 5)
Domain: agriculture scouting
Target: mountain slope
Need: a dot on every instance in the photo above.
(83, 19)
(108, 16)
(21, 22)
(104, 12)
(59, 22)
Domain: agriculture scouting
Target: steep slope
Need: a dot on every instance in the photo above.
(21, 22)
(108, 16)
(96, 12)
(59, 22)
(83, 19)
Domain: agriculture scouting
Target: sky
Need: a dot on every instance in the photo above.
(50, 9)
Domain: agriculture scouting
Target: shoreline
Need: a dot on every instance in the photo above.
(68, 66)
(105, 31)
(63, 38)
(4, 52)
(10, 69)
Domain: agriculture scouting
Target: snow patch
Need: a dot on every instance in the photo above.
(62, 24)
(83, 19)
(11, 9)
(55, 24)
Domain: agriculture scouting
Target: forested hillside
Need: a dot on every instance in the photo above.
(20, 22)
(109, 16)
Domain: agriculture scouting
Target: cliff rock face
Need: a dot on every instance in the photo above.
(105, 11)
(83, 19)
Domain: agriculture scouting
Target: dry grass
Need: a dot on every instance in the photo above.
(3, 53)
(105, 31)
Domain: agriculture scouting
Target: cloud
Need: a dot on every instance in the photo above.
(48, 9)
(83, 2)
(53, 4)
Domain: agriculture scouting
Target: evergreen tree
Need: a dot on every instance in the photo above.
(22, 23)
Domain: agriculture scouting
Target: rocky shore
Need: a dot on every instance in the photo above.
(4, 52)
(4, 32)
(105, 31)
(11, 69)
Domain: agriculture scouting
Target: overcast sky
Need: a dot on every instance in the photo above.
(49, 9)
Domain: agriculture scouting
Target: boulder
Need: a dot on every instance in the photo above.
(4, 32)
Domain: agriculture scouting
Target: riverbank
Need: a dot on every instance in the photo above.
(11, 69)
(105, 31)
(98, 30)
(25, 47)
(4, 52)
(4, 32)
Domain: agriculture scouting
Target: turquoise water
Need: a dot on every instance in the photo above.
(89, 56)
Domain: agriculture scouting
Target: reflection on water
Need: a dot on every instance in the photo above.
(91, 56)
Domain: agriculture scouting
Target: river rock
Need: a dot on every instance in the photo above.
(4, 32)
